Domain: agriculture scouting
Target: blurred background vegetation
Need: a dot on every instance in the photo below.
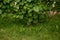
(29, 20)
(28, 12)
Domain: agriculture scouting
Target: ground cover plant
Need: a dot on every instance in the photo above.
(28, 11)
(44, 31)
(29, 20)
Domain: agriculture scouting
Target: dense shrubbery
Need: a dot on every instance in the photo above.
(28, 11)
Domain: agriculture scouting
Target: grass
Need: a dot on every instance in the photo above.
(49, 30)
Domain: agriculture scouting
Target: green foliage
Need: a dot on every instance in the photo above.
(28, 11)
(0, 11)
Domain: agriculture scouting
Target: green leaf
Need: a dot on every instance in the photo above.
(17, 0)
(21, 17)
(30, 20)
(36, 8)
(0, 11)
(7, 1)
(29, 0)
